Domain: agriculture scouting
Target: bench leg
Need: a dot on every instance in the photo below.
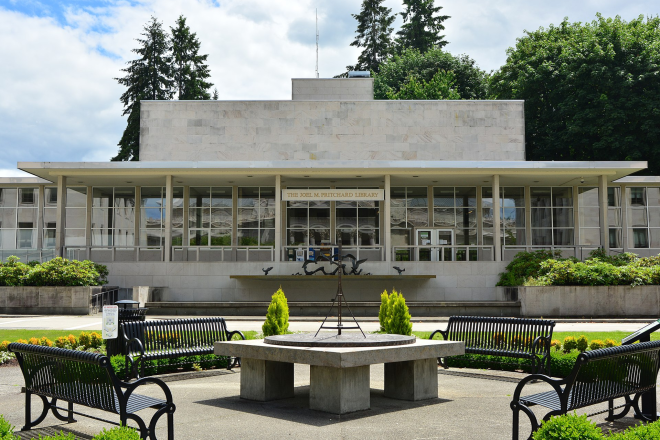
(28, 411)
(517, 407)
(69, 417)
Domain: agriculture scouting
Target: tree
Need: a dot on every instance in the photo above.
(440, 87)
(189, 68)
(591, 91)
(421, 28)
(148, 77)
(373, 34)
(396, 72)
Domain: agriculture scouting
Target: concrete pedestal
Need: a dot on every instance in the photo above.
(339, 390)
(266, 380)
(412, 380)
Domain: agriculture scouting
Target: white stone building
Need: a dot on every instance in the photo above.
(224, 189)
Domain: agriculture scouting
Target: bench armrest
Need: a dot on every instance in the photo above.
(555, 383)
(130, 387)
(443, 333)
(230, 335)
(134, 341)
(541, 345)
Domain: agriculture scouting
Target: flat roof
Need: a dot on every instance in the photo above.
(310, 172)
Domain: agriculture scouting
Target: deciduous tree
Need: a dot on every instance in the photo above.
(591, 91)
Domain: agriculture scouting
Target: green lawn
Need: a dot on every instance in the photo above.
(14, 335)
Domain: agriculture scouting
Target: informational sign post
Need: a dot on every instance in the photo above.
(110, 322)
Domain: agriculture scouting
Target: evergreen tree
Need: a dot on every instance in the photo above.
(189, 68)
(421, 28)
(373, 34)
(148, 77)
(215, 94)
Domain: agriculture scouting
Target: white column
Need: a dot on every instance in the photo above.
(528, 216)
(602, 204)
(496, 217)
(624, 219)
(61, 216)
(387, 223)
(278, 218)
(40, 217)
(169, 192)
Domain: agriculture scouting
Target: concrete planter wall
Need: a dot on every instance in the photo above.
(47, 300)
(590, 301)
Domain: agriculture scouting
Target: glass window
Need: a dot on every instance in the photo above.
(552, 214)
(643, 217)
(210, 217)
(256, 216)
(512, 215)
(456, 208)
(113, 217)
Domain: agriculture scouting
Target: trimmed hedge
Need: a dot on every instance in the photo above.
(163, 366)
(56, 272)
(561, 364)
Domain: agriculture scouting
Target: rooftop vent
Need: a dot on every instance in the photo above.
(359, 74)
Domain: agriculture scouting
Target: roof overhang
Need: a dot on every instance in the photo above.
(309, 172)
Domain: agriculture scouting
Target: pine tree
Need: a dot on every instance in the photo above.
(215, 94)
(374, 34)
(148, 77)
(188, 67)
(421, 29)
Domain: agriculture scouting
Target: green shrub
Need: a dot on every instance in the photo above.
(4, 345)
(6, 430)
(525, 265)
(569, 344)
(650, 431)
(611, 343)
(596, 344)
(555, 344)
(568, 427)
(118, 433)
(383, 312)
(395, 315)
(85, 340)
(56, 272)
(582, 343)
(277, 316)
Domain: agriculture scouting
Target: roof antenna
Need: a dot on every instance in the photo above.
(317, 42)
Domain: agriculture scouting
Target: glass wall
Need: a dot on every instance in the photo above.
(456, 208)
(552, 216)
(357, 222)
(50, 217)
(307, 222)
(589, 216)
(643, 217)
(512, 215)
(152, 216)
(256, 216)
(113, 216)
(210, 216)
(409, 209)
(76, 217)
(19, 210)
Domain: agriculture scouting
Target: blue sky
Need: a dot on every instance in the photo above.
(61, 103)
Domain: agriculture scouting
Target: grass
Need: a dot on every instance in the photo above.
(617, 336)
(14, 335)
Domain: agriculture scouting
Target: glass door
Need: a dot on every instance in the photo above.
(424, 237)
(444, 237)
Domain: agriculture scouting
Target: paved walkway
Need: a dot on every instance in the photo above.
(296, 323)
(472, 404)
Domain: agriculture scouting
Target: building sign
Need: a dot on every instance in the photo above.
(110, 322)
(333, 194)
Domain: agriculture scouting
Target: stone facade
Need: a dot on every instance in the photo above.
(332, 130)
(337, 89)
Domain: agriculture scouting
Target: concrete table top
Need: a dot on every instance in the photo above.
(339, 357)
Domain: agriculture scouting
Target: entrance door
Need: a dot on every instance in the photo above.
(433, 238)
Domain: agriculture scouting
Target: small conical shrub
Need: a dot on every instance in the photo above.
(383, 312)
(277, 316)
(398, 322)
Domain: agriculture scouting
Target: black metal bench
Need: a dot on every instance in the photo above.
(86, 379)
(598, 376)
(173, 338)
(506, 337)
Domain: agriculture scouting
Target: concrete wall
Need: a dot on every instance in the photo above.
(331, 130)
(200, 282)
(47, 300)
(332, 89)
(590, 301)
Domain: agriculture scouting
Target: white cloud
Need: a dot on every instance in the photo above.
(61, 103)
